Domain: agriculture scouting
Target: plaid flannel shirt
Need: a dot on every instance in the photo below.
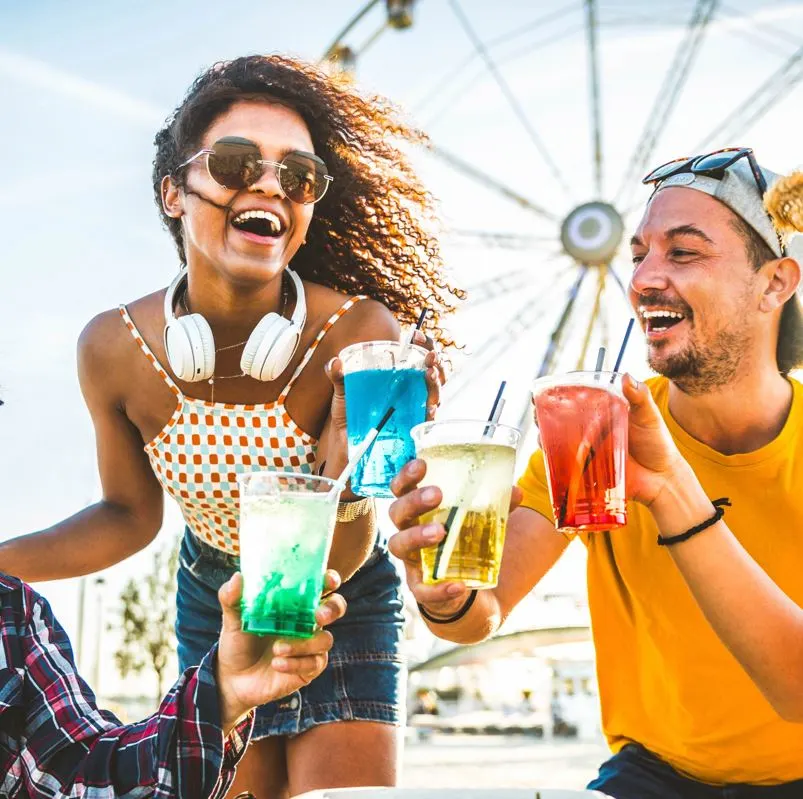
(55, 742)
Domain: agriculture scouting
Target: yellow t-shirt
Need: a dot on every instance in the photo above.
(665, 679)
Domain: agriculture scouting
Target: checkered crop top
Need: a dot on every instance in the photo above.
(205, 445)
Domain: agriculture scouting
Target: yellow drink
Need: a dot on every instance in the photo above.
(476, 480)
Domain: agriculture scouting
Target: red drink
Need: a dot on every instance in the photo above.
(582, 420)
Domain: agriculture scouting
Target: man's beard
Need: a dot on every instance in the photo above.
(696, 371)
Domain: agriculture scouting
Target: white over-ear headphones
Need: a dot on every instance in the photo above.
(190, 345)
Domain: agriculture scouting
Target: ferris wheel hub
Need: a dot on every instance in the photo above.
(592, 232)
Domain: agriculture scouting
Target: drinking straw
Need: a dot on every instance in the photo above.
(622, 348)
(600, 362)
(457, 513)
(586, 452)
(404, 354)
(369, 439)
(496, 409)
(361, 450)
(405, 351)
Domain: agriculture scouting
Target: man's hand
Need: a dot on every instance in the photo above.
(252, 670)
(654, 461)
(443, 599)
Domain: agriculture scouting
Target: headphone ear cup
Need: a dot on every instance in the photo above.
(190, 348)
(270, 347)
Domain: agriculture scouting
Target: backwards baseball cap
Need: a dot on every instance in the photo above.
(737, 188)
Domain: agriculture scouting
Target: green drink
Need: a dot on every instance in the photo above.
(286, 526)
(473, 464)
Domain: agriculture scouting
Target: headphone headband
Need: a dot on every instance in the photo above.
(190, 345)
(298, 318)
(171, 293)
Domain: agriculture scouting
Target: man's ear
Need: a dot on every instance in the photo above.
(172, 198)
(783, 277)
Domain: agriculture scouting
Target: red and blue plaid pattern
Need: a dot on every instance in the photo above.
(56, 743)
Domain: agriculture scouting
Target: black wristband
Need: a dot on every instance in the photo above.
(454, 617)
(719, 512)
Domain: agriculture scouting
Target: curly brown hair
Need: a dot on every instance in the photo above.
(374, 231)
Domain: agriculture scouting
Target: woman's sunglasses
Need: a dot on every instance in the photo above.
(714, 165)
(235, 163)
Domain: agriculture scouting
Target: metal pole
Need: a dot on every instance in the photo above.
(490, 182)
(99, 582)
(79, 641)
(557, 333)
(509, 96)
(594, 316)
(372, 39)
(592, 28)
(352, 22)
(553, 347)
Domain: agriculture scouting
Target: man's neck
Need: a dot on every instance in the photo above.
(742, 416)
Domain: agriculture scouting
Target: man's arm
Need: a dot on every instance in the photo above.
(752, 616)
(532, 547)
(71, 745)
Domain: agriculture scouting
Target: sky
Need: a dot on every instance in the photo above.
(85, 85)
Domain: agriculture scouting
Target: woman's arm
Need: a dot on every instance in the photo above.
(129, 515)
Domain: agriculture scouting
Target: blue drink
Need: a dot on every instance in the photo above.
(372, 386)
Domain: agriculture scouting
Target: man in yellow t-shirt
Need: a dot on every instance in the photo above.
(714, 291)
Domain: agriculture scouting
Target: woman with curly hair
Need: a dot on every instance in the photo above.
(267, 164)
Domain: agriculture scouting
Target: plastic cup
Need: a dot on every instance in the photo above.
(473, 464)
(378, 375)
(287, 520)
(582, 420)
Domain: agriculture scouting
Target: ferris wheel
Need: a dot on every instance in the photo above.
(578, 289)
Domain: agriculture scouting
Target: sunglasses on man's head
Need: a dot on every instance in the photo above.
(235, 163)
(713, 164)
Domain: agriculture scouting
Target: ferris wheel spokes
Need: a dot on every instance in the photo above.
(666, 99)
(757, 104)
(510, 97)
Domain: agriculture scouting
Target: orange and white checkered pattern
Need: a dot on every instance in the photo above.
(206, 445)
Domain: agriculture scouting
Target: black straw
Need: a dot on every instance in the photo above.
(453, 510)
(421, 317)
(384, 420)
(622, 348)
(497, 400)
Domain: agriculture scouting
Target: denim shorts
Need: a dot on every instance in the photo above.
(365, 678)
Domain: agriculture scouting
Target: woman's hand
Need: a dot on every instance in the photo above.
(435, 374)
(336, 437)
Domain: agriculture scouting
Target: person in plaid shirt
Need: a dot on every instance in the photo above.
(55, 742)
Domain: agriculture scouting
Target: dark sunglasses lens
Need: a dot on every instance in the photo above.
(234, 164)
(716, 161)
(665, 171)
(302, 178)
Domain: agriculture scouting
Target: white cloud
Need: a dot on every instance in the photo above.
(43, 75)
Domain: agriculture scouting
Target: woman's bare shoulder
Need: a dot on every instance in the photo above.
(106, 344)
(371, 317)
